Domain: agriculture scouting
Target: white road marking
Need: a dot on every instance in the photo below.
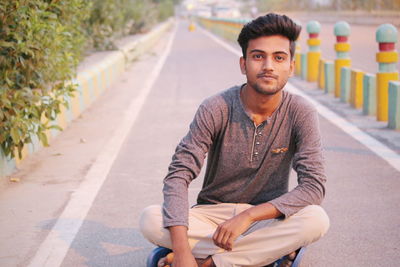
(374, 145)
(52, 251)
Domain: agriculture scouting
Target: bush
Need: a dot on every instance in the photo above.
(40, 47)
(111, 19)
(41, 44)
(166, 9)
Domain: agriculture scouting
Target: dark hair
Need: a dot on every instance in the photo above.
(270, 24)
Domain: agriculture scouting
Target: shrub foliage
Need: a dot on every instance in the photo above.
(40, 47)
(111, 19)
(41, 44)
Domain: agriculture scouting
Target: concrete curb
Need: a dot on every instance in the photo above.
(92, 79)
(345, 84)
(329, 77)
(394, 105)
(369, 93)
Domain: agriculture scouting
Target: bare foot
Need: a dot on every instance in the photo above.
(288, 259)
(207, 262)
(166, 261)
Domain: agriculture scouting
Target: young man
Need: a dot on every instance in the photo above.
(253, 134)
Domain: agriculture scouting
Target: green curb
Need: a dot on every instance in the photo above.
(329, 77)
(345, 83)
(369, 94)
(304, 66)
(394, 105)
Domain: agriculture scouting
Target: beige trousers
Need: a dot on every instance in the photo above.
(263, 243)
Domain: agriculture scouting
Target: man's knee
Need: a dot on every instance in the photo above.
(315, 223)
(150, 220)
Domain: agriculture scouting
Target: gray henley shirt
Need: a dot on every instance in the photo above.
(247, 163)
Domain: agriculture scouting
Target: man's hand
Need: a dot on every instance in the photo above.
(230, 230)
(184, 259)
(183, 256)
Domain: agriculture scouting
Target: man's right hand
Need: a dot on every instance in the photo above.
(183, 259)
(183, 256)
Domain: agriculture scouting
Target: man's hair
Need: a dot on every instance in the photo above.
(270, 24)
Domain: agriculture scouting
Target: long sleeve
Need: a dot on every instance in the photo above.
(308, 164)
(185, 166)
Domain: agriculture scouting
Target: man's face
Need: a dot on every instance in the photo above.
(268, 65)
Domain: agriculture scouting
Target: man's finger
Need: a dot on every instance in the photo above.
(220, 237)
(229, 243)
(225, 239)
(217, 237)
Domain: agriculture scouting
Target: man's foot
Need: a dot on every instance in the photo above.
(288, 259)
(207, 262)
(167, 261)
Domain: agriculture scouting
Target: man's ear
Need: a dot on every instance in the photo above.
(242, 65)
(292, 67)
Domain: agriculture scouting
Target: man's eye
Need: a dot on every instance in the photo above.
(258, 56)
(279, 58)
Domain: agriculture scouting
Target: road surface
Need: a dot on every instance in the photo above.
(64, 213)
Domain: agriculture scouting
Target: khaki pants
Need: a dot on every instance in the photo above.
(263, 243)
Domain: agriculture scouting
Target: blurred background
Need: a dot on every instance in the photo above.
(251, 8)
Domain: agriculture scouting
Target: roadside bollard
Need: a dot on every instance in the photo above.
(345, 78)
(356, 89)
(192, 27)
(314, 53)
(386, 36)
(394, 105)
(297, 64)
(321, 74)
(342, 48)
(297, 55)
(369, 94)
(329, 79)
(303, 59)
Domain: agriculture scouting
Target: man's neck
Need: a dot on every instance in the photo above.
(258, 105)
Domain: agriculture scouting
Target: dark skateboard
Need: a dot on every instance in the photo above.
(160, 252)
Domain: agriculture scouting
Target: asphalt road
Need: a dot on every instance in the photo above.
(362, 190)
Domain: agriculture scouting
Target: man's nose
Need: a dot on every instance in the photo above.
(268, 64)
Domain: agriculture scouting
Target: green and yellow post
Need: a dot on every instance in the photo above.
(394, 105)
(321, 74)
(356, 88)
(192, 26)
(387, 57)
(297, 55)
(342, 48)
(314, 52)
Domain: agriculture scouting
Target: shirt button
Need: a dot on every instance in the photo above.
(259, 134)
(257, 143)
(256, 153)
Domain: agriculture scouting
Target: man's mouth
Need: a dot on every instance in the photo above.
(267, 76)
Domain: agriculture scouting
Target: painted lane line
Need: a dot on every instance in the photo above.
(54, 248)
(374, 145)
(221, 42)
(371, 143)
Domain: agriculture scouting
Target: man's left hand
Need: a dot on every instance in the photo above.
(230, 230)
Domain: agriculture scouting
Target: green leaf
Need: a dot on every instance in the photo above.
(43, 138)
(15, 135)
(56, 127)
